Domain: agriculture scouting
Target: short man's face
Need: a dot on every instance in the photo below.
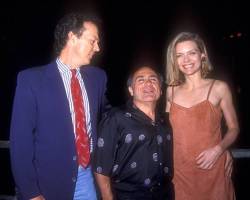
(87, 44)
(145, 86)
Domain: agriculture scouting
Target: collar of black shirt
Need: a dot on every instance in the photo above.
(137, 113)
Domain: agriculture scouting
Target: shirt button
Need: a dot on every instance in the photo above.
(166, 170)
(74, 179)
(160, 163)
(74, 157)
(168, 137)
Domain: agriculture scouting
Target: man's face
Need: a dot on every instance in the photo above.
(87, 44)
(145, 86)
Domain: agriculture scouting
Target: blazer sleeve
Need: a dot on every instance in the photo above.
(22, 137)
(105, 104)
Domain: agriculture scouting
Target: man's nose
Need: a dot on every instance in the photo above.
(96, 47)
(148, 81)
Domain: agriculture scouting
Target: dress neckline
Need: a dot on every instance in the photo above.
(195, 105)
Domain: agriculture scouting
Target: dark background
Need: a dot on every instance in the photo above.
(130, 30)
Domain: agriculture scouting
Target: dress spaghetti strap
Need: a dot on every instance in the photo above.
(210, 88)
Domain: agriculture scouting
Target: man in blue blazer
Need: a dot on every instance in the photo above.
(42, 139)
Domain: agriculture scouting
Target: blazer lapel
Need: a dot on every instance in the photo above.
(58, 94)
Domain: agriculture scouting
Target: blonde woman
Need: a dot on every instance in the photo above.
(196, 105)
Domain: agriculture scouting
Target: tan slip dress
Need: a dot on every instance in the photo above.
(195, 129)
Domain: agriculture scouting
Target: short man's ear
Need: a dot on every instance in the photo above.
(130, 91)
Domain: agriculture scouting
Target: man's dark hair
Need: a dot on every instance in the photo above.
(140, 66)
(71, 22)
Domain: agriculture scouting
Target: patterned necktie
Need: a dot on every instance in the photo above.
(82, 139)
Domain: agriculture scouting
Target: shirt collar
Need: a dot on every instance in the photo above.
(136, 112)
(63, 68)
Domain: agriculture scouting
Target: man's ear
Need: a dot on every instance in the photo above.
(72, 37)
(130, 91)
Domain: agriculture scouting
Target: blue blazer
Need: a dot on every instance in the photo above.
(42, 143)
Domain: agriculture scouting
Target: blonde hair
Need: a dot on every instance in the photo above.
(173, 75)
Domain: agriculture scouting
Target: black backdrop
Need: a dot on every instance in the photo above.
(131, 30)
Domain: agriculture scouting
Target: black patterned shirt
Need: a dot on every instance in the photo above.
(134, 151)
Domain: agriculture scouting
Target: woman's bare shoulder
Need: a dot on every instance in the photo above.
(221, 87)
(219, 84)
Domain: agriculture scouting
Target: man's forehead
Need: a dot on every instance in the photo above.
(90, 27)
(145, 71)
(87, 24)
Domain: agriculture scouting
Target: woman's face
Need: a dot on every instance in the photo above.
(188, 57)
